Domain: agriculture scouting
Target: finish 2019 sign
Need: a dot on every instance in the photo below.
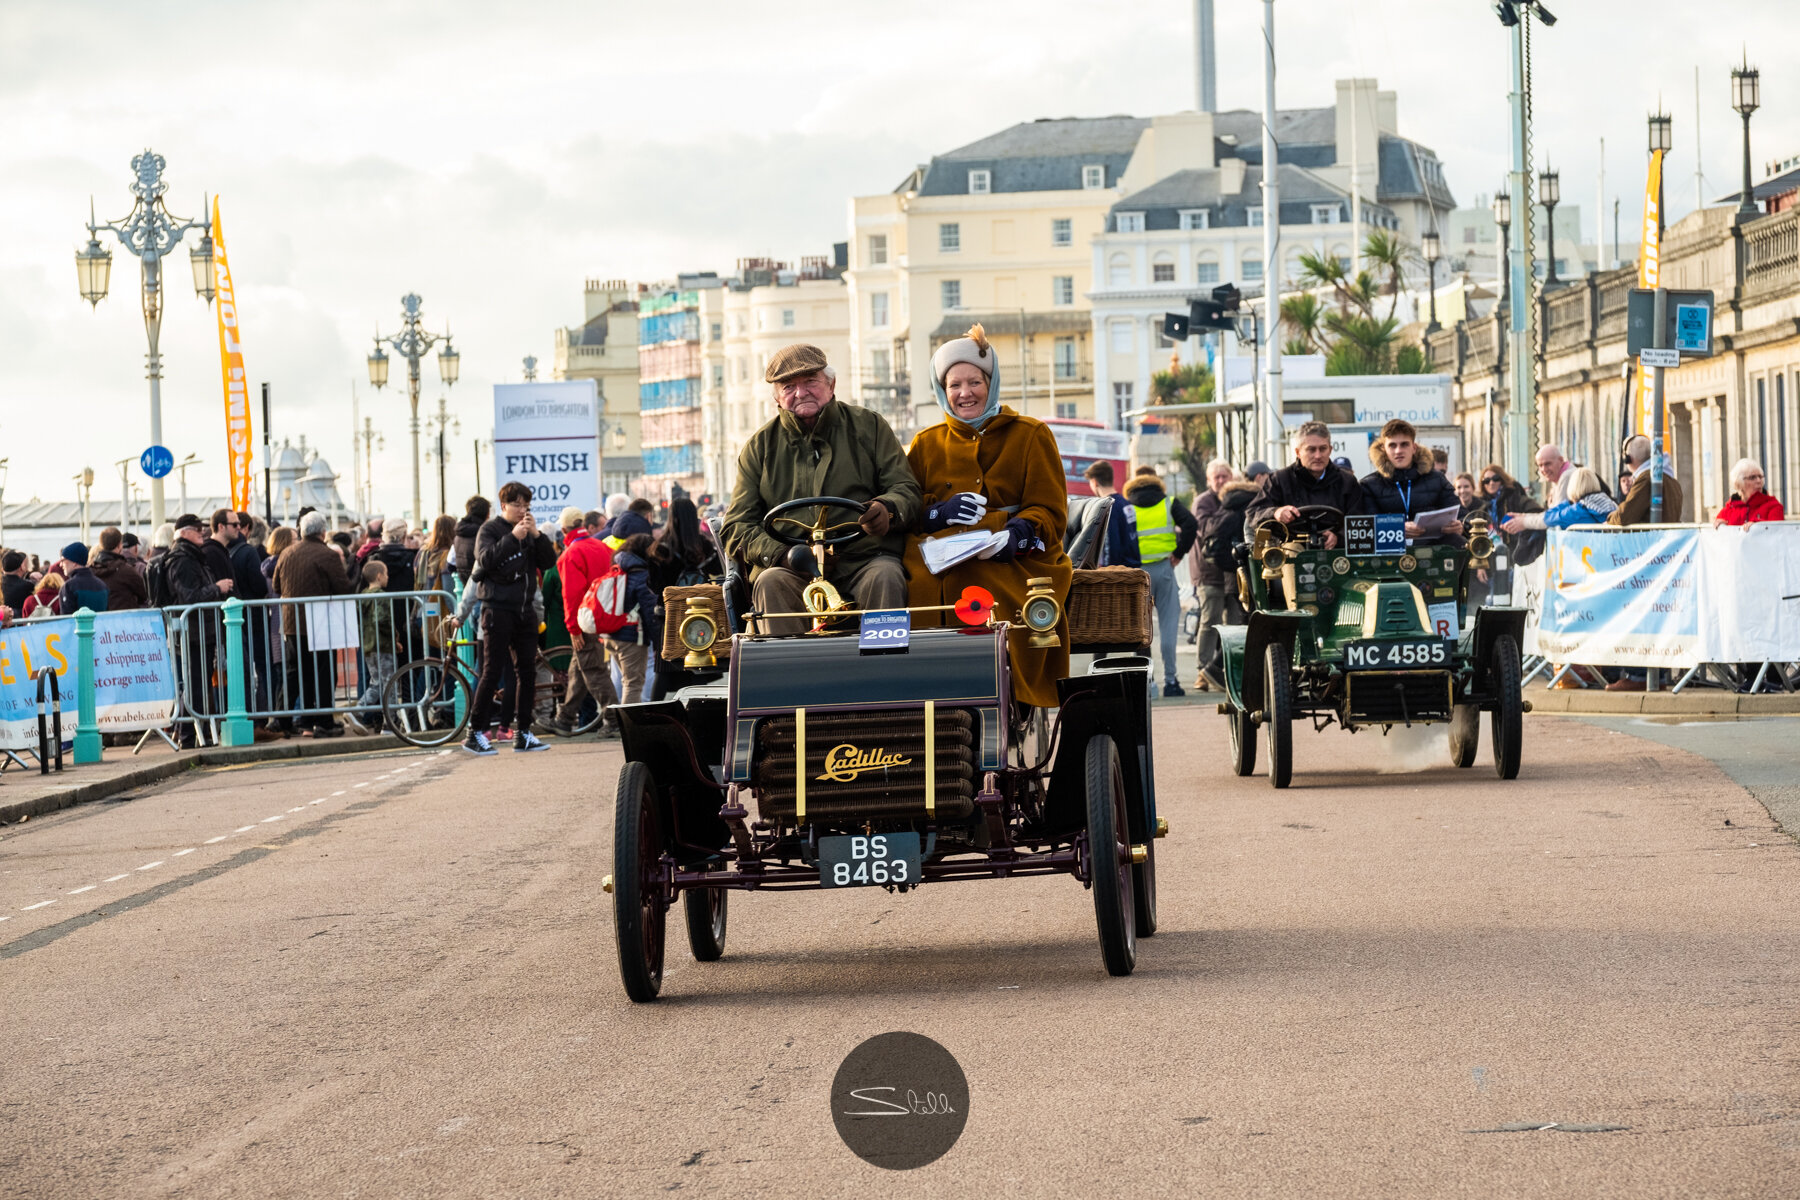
(546, 436)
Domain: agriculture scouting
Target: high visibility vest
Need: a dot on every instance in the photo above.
(1155, 531)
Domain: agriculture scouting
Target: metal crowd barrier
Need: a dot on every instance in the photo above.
(300, 661)
(49, 720)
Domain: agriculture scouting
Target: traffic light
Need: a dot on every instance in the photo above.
(1219, 312)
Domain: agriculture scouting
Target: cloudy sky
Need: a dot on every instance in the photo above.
(493, 156)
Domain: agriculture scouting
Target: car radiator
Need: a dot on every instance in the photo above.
(1396, 697)
(866, 764)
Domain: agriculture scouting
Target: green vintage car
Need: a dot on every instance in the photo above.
(1372, 633)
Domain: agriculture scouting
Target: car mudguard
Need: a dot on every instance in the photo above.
(1490, 625)
(677, 743)
(1243, 647)
(1110, 702)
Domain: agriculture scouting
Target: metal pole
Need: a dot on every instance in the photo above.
(1271, 243)
(153, 329)
(412, 386)
(1204, 42)
(1747, 201)
(1659, 340)
(1522, 411)
(268, 464)
(477, 458)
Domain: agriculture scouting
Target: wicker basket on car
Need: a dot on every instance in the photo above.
(1110, 606)
(675, 605)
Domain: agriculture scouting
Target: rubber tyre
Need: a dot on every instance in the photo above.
(639, 918)
(1508, 718)
(427, 702)
(1278, 714)
(706, 914)
(1465, 734)
(1243, 742)
(1115, 908)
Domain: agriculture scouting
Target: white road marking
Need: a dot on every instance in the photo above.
(298, 808)
(220, 838)
(320, 800)
(337, 793)
(243, 829)
(39, 904)
(179, 853)
(364, 783)
(90, 887)
(147, 866)
(114, 879)
(5, 918)
(266, 820)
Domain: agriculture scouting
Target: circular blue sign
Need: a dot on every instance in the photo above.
(157, 462)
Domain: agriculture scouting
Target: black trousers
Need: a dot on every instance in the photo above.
(511, 637)
(308, 676)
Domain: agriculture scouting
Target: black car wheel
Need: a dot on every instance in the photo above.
(1115, 909)
(1465, 734)
(1508, 727)
(639, 914)
(1278, 714)
(705, 910)
(1243, 742)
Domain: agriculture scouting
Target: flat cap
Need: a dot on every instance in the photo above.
(798, 359)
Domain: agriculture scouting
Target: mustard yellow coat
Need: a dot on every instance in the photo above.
(1013, 461)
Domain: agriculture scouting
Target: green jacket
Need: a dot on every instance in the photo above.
(851, 452)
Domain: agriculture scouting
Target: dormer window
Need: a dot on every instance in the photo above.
(1327, 214)
(1196, 218)
(980, 183)
(1093, 177)
(1131, 222)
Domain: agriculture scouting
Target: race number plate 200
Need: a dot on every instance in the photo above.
(863, 860)
(1412, 654)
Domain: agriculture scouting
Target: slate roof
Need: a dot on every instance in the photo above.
(1162, 202)
(1036, 156)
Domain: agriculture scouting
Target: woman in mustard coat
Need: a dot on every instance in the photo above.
(988, 468)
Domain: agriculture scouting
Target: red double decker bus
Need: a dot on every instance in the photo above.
(1084, 443)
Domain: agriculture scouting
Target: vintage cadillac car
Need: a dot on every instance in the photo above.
(856, 756)
(1372, 633)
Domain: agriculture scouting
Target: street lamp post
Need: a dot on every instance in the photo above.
(530, 368)
(1503, 218)
(441, 420)
(1550, 195)
(1662, 137)
(1746, 97)
(365, 487)
(84, 495)
(150, 233)
(1432, 247)
(3, 470)
(124, 465)
(411, 343)
(482, 446)
(181, 469)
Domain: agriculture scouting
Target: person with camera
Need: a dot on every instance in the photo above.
(510, 554)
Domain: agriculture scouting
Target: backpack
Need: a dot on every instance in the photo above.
(603, 609)
(156, 581)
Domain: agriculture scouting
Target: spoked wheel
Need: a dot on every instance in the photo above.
(1465, 734)
(638, 910)
(1278, 714)
(705, 911)
(427, 702)
(1109, 856)
(1508, 725)
(1243, 742)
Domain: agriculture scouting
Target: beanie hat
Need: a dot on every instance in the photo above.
(188, 521)
(76, 553)
(1257, 468)
(975, 350)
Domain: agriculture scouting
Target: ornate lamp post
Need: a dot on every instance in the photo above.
(1662, 137)
(1746, 97)
(1550, 195)
(1503, 218)
(365, 487)
(411, 343)
(1432, 248)
(530, 368)
(442, 419)
(150, 233)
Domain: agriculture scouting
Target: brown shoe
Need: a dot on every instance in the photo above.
(1625, 685)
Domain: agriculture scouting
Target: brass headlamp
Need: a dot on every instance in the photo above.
(1041, 614)
(1481, 542)
(698, 630)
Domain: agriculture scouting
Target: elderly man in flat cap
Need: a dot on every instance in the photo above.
(816, 446)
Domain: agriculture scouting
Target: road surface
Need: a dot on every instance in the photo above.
(392, 975)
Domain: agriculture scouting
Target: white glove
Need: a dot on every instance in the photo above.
(968, 508)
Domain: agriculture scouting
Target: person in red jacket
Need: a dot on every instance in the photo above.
(585, 558)
(1750, 503)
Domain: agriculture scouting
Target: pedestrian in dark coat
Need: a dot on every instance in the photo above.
(125, 587)
(510, 554)
(1405, 482)
(309, 568)
(1309, 479)
(475, 513)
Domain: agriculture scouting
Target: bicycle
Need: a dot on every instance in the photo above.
(427, 702)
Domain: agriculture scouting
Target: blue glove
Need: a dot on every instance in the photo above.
(964, 508)
(1020, 537)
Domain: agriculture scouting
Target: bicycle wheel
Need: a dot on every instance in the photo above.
(427, 702)
(560, 662)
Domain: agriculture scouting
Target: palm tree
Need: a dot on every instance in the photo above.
(1303, 314)
(1386, 251)
(1192, 384)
